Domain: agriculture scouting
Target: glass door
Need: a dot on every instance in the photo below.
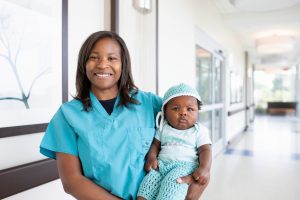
(210, 85)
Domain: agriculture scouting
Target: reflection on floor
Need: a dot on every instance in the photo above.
(263, 165)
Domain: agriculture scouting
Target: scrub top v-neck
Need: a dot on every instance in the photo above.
(111, 148)
(108, 105)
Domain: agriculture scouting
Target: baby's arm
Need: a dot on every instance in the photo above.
(151, 162)
(202, 173)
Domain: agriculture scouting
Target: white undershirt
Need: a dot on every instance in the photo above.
(181, 145)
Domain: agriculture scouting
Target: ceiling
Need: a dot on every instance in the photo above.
(263, 20)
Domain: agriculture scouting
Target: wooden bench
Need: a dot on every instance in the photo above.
(281, 108)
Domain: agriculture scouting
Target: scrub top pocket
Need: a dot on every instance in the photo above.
(140, 141)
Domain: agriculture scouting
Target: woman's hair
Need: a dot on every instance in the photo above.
(126, 86)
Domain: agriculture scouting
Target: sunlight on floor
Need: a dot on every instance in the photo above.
(263, 165)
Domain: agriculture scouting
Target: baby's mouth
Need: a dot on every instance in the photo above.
(182, 120)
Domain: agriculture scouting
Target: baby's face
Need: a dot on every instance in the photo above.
(182, 112)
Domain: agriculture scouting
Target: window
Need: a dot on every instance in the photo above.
(209, 79)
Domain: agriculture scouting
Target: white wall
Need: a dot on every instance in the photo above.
(84, 18)
(176, 43)
(177, 22)
(138, 31)
(235, 125)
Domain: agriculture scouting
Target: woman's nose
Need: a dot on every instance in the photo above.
(102, 63)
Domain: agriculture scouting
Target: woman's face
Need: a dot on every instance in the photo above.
(104, 68)
(182, 112)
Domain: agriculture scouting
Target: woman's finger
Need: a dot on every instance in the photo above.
(185, 179)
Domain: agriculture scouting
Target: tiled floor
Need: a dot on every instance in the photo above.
(263, 165)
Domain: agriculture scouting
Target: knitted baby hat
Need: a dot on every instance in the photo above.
(175, 91)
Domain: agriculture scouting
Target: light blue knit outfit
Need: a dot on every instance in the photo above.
(162, 185)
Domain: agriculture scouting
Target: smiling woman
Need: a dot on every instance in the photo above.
(104, 68)
(95, 142)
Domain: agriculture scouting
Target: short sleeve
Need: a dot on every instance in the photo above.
(59, 137)
(156, 103)
(157, 135)
(202, 136)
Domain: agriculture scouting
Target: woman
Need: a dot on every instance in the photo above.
(101, 137)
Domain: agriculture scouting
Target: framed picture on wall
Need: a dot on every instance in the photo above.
(236, 87)
(33, 64)
(33, 80)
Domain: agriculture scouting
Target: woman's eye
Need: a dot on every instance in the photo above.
(112, 58)
(94, 58)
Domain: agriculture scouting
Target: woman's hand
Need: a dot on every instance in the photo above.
(201, 175)
(199, 179)
(196, 187)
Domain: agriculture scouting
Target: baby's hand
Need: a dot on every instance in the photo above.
(151, 163)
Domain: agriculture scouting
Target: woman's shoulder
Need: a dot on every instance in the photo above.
(147, 95)
(149, 100)
(73, 104)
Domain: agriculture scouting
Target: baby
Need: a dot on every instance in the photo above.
(181, 147)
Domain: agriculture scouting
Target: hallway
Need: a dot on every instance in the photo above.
(263, 165)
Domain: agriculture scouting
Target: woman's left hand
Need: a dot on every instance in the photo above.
(195, 188)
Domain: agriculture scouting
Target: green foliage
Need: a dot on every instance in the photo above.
(277, 89)
(260, 110)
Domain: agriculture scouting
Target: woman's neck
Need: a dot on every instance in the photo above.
(105, 94)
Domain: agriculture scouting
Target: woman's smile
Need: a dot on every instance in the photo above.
(103, 75)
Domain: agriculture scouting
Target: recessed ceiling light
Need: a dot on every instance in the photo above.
(275, 44)
(263, 5)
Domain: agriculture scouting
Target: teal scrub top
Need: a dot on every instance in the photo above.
(111, 148)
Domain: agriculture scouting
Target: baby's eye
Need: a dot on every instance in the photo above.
(175, 108)
(190, 109)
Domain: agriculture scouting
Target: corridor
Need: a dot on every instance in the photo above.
(263, 165)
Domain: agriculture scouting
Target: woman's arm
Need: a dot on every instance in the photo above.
(199, 180)
(75, 184)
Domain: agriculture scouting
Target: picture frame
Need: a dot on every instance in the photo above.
(25, 95)
(236, 87)
(23, 177)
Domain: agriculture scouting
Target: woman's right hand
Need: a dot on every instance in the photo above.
(151, 163)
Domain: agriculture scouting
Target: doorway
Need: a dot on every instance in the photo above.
(210, 75)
